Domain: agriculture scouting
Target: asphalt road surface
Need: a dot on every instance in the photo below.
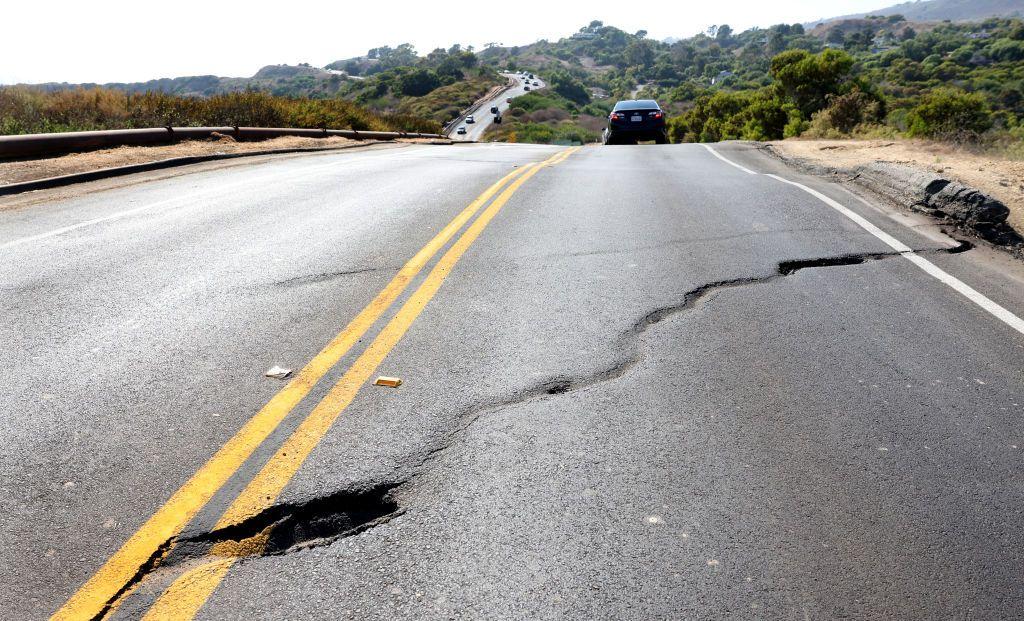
(482, 116)
(638, 382)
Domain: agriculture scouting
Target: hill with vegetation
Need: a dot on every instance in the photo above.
(879, 75)
(301, 80)
(386, 81)
(952, 10)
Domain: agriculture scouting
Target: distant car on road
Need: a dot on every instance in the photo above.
(461, 129)
(526, 88)
(508, 100)
(636, 119)
(470, 119)
(494, 109)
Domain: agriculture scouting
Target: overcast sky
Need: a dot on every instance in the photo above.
(115, 40)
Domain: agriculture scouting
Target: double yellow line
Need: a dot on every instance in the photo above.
(187, 594)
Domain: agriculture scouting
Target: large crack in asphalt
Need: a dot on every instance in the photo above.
(286, 527)
(322, 520)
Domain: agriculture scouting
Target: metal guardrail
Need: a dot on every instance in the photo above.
(31, 145)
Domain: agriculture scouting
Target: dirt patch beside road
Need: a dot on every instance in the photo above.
(17, 171)
(1000, 178)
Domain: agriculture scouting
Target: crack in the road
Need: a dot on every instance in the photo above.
(144, 572)
(790, 267)
(279, 529)
(286, 527)
(307, 279)
(560, 385)
(322, 520)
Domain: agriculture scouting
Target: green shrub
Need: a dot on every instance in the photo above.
(760, 115)
(845, 113)
(949, 114)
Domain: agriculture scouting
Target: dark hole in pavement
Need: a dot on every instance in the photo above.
(321, 519)
(558, 387)
(789, 267)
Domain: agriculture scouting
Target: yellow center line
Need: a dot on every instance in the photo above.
(187, 594)
(146, 543)
(265, 488)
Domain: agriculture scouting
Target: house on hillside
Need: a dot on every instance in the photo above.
(584, 36)
(721, 77)
(882, 42)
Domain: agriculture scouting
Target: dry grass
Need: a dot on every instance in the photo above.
(999, 177)
(25, 110)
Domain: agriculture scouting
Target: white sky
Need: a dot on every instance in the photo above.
(117, 40)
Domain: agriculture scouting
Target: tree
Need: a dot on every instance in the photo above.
(808, 79)
(569, 87)
(639, 53)
(724, 33)
(418, 82)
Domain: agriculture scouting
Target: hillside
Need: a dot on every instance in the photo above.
(282, 80)
(941, 10)
(886, 74)
(386, 80)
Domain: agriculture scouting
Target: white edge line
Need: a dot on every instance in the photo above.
(927, 266)
(214, 193)
(730, 163)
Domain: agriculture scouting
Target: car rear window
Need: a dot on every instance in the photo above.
(638, 104)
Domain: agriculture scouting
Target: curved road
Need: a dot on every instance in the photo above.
(637, 382)
(482, 113)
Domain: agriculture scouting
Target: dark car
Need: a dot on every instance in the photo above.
(632, 120)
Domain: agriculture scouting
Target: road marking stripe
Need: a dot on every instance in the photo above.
(213, 192)
(267, 485)
(729, 162)
(930, 268)
(181, 507)
(187, 594)
(264, 489)
(988, 305)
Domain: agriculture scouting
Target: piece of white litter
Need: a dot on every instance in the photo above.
(277, 372)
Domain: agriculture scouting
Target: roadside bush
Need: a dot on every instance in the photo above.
(846, 113)
(569, 87)
(26, 110)
(565, 132)
(761, 115)
(950, 114)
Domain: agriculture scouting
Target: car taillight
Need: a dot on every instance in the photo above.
(616, 116)
(656, 115)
